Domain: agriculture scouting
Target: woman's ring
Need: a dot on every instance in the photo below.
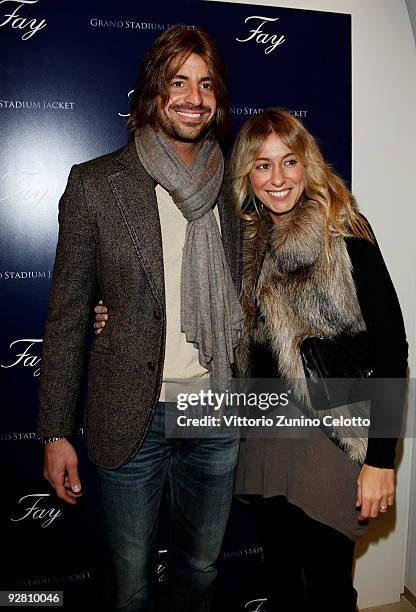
(383, 508)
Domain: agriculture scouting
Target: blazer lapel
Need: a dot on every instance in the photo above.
(134, 191)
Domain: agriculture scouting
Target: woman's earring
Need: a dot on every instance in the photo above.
(258, 205)
(250, 206)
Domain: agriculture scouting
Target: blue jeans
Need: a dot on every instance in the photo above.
(201, 478)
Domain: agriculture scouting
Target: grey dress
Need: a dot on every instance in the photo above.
(313, 474)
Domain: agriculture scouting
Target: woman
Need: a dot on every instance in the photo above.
(312, 269)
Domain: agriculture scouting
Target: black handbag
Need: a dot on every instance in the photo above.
(335, 369)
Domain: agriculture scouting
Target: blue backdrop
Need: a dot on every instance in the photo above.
(66, 72)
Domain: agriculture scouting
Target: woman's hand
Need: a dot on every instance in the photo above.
(101, 317)
(375, 491)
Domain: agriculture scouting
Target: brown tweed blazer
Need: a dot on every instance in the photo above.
(110, 244)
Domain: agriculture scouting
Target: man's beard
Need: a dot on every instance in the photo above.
(176, 132)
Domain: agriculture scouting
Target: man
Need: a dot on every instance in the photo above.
(150, 228)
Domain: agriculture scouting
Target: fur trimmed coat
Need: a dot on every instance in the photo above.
(291, 291)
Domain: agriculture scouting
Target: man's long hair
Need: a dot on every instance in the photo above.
(161, 61)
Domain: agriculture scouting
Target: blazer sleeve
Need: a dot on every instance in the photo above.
(383, 318)
(70, 305)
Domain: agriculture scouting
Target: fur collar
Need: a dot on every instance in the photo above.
(296, 241)
(291, 291)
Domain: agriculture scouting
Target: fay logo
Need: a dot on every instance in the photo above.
(260, 36)
(25, 185)
(16, 21)
(256, 605)
(126, 114)
(38, 509)
(28, 357)
(161, 567)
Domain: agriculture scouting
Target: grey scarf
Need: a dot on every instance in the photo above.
(211, 315)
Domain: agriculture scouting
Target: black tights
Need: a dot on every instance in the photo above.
(308, 565)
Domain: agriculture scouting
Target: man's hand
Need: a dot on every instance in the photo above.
(375, 491)
(101, 317)
(60, 469)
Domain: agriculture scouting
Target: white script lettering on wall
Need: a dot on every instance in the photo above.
(256, 605)
(22, 184)
(16, 21)
(28, 357)
(260, 36)
(38, 509)
(126, 114)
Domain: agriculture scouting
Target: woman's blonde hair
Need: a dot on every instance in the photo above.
(338, 207)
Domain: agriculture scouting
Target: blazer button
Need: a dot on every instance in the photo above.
(151, 365)
(157, 314)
